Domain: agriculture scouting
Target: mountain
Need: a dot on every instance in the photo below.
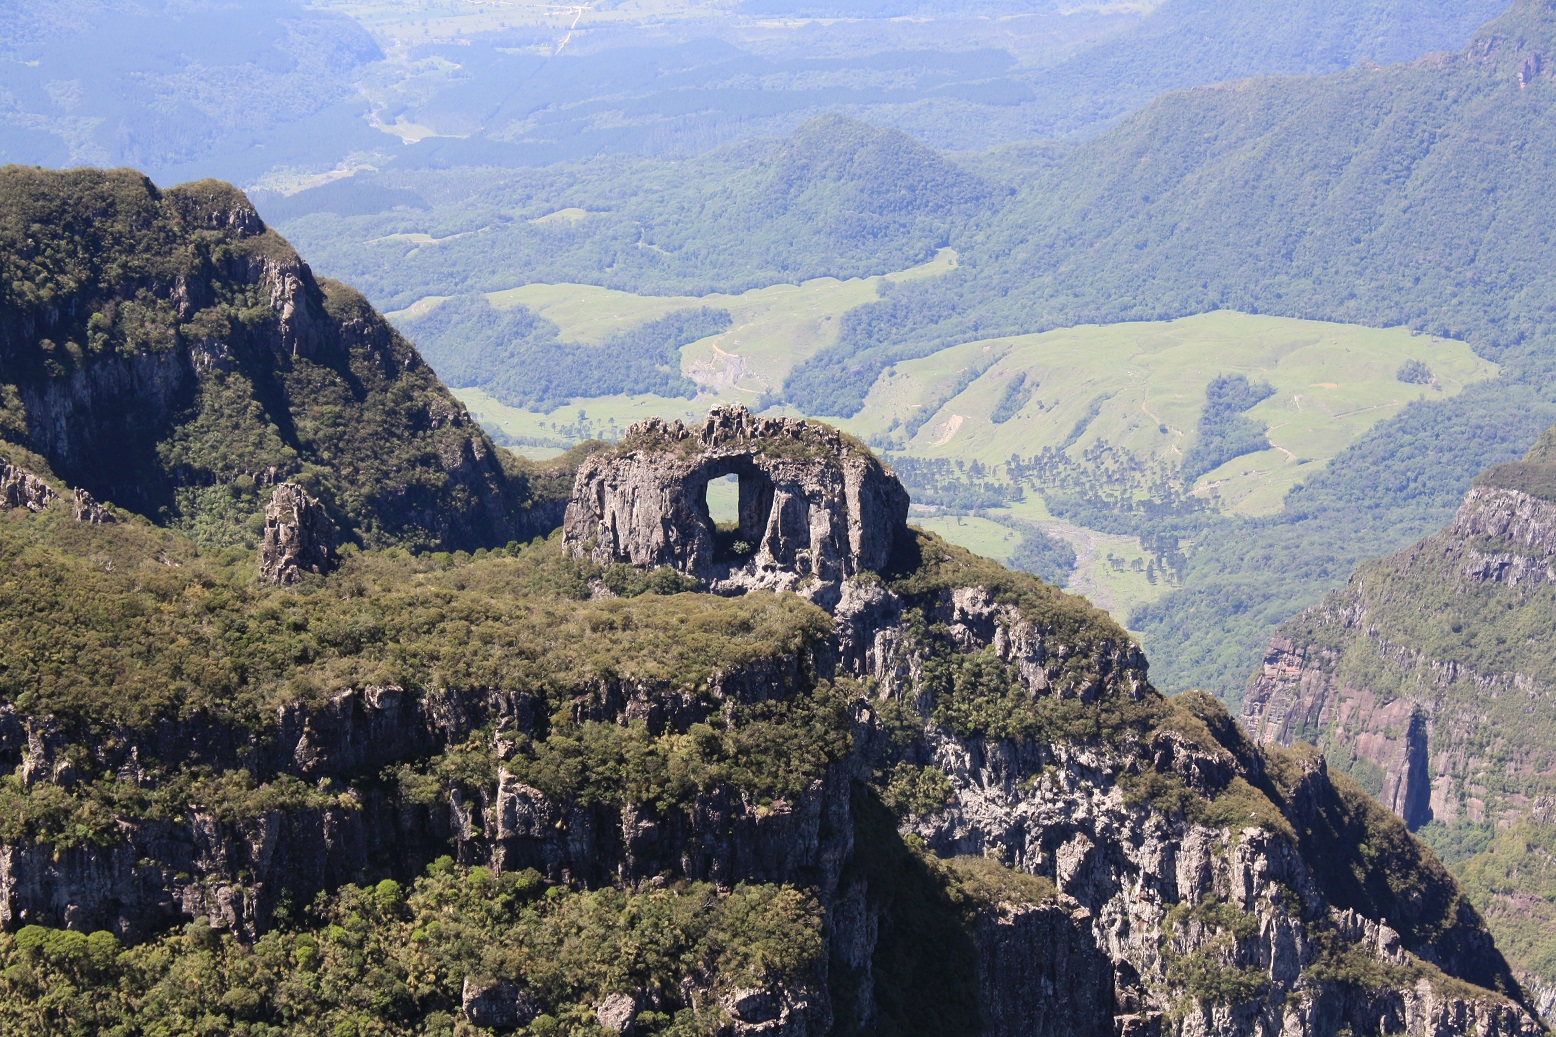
(873, 784)
(1426, 679)
(1377, 196)
(1388, 181)
(179, 88)
(165, 351)
(834, 198)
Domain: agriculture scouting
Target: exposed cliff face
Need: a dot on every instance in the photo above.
(1184, 884)
(1427, 677)
(816, 508)
(1365, 673)
(165, 351)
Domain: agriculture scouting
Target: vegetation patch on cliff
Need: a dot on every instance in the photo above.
(400, 961)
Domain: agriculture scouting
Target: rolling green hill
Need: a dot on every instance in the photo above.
(1134, 390)
(1411, 194)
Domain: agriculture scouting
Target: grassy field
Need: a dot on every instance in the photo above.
(1147, 383)
(1142, 386)
(1109, 570)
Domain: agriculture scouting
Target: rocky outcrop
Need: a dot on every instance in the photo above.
(1507, 536)
(498, 1004)
(816, 508)
(19, 488)
(1136, 866)
(299, 537)
(86, 508)
(1427, 679)
(1142, 892)
(140, 385)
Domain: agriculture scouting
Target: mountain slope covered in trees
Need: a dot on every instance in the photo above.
(438, 792)
(168, 352)
(1427, 678)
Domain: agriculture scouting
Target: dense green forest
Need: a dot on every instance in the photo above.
(836, 198)
(1224, 431)
(517, 357)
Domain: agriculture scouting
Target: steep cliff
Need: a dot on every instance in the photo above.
(1428, 678)
(166, 352)
(531, 789)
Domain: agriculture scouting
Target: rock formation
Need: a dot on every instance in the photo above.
(86, 508)
(816, 507)
(19, 488)
(299, 537)
(1419, 719)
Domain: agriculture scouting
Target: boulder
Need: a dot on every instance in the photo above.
(617, 1013)
(497, 1004)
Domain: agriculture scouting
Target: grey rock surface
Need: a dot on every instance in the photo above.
(616, 1013)
(816, 507)
(19, 488)
(497, 1004)
(299, 537)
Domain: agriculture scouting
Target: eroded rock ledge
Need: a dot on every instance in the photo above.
(816, 507)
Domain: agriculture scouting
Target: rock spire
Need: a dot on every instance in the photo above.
(299, 537)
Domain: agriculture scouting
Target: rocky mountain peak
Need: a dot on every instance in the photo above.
(816, 507)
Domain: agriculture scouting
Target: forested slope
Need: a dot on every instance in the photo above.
(1427, 677)
(1411, 194)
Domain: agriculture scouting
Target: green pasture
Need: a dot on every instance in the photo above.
(1109, 570)
(1147, 382)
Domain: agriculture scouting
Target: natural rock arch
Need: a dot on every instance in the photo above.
(816, 507)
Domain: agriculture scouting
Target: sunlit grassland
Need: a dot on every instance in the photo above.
(1145, 381)
(1333, 382)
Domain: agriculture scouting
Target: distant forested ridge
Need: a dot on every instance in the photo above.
(835, 198)
(1412, 194)
(519, 359)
